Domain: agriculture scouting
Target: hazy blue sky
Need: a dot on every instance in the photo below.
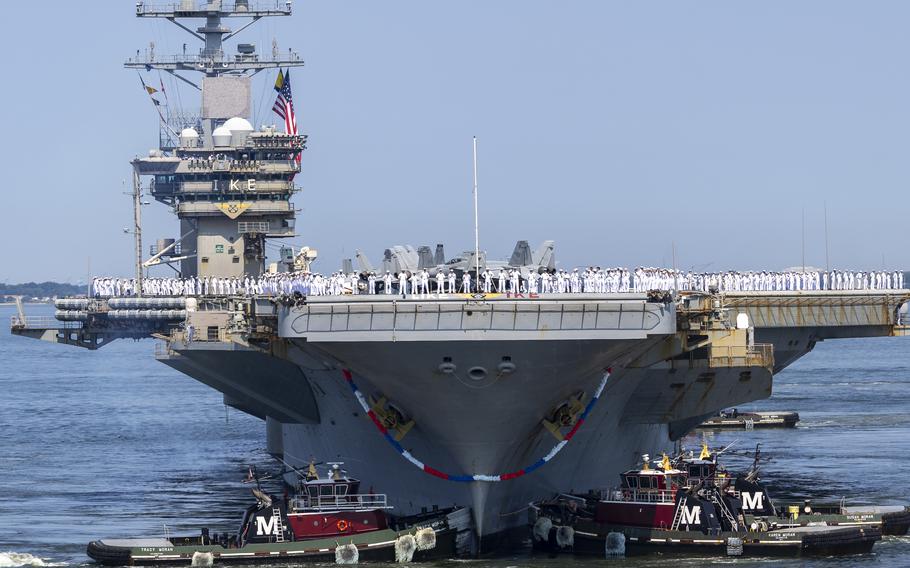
(614, 128)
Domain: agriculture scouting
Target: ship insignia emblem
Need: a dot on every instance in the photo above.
(479, 296)
(233, 209)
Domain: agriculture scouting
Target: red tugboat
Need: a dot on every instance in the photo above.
(664, 509)
(646, 498)
(325, 519)
(334, 506)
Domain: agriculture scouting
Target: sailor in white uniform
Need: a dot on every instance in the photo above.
(387, 282)
(440, 282)
(451, 278)
(371, 283)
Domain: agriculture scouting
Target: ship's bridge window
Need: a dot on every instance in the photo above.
(648, 482)
(313, 491)
(699, 471)
(326, 490)
(632, 481)
(341, 490)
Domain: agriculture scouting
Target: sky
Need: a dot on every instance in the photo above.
(712, 134)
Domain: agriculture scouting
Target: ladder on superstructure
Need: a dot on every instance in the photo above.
(677, 516)
(279, 525)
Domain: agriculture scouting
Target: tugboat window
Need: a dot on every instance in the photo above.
(632, 481)
(341, 490)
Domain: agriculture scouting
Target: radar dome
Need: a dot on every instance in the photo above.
(189, 137)
(221, 136)
(238, 123)
(240, 128)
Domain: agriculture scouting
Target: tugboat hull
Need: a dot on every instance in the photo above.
(591, 539)
(378, 546)
(892, 520)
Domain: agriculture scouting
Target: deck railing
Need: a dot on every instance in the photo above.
(639, 495)
(340, 502)
(42, 322)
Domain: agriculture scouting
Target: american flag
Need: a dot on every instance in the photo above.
(284, 104)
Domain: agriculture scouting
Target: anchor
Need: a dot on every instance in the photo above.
(390, 416)
(565, 415)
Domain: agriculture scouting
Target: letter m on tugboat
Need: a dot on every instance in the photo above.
(267, 526)
(752, 501)
(690, 515)
(694, 514)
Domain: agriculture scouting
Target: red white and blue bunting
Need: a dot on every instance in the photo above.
(477, 476)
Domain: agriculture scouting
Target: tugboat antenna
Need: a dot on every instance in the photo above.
(728, 446)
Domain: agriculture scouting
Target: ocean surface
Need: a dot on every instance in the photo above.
(112, 443)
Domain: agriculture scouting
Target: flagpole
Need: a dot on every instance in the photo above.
(827, 264)
(137, 228)
(476, 226)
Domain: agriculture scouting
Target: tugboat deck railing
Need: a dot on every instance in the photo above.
(338, 503)
(628, 495)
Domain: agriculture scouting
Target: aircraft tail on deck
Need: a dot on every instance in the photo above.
(546, 255)
(521, 256)
(363, 262)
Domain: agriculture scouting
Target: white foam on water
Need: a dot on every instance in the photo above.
(11, 559)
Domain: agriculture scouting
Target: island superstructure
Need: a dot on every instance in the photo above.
(487, 401)
(212, 166)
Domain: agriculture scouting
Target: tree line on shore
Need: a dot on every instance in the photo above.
(32, 290)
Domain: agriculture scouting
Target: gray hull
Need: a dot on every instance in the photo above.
(488, 426)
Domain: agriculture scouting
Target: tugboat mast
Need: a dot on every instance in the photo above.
(229, 184)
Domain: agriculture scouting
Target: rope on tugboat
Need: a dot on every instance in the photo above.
(349, 377)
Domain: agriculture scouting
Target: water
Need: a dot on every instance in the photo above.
(112, 443)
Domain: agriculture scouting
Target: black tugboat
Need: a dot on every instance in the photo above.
(757, 501)
(326, 519)
(666, 509)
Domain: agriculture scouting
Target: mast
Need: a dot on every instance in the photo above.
(211, 59)
(137, 228)
(476, 225)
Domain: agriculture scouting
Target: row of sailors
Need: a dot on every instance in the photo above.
(514, 281)
(787, 281)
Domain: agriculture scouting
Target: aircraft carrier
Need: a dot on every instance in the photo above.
(489, 401)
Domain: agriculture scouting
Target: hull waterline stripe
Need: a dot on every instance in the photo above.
(349, 377)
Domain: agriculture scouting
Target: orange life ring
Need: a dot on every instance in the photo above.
(343, 525)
